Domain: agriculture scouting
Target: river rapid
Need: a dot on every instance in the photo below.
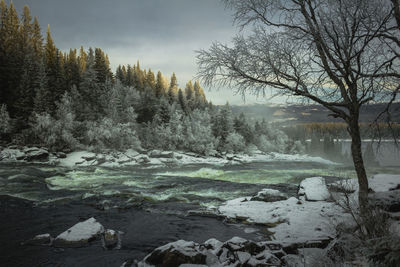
(151, 205)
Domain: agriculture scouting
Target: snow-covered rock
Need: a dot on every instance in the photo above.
(40, 240)
(37, 155)
(80, 234)
(11, 154)
(269, 195)
(161, 154)
(111, 239)
(234, 252)
(76, 158)
(314, 189)
(290, 220)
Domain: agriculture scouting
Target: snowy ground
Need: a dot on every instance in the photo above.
(297, 219)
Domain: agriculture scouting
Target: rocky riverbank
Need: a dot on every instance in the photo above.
(303, 229)
(141, 157)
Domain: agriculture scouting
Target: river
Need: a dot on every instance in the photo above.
(150, 205)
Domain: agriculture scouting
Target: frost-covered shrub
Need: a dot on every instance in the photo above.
(109, 135)
(272, 140)
(53, 133)
(296, 147)
(5, 126)
(199, 137)
(234, 142)
(264, 144)
(59, 132)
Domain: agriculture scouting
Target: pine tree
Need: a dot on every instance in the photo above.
(82, 59)
(189, 92)
(91, 92)
(120, 75)
(223, 123)
(160, 87)
(37, 39)
(42, 94)
(182, 101)
(129, 81)
(11, 55)
(199, 95)
(173, 89)
(71, 70)
(150, 80)
(101, 66)
(138, 78)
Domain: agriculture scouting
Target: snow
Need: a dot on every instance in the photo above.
(157, 158)
(42, 236)
(9, 154)
(185, 247)
(294, 221)
(384, 182)
(82, 231)
(75, 158)
(270, 195)
(314, 189)
(378, 182)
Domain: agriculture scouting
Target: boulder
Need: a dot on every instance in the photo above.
(80, 234)
(111, 239)
(37, 155)
(61, 155)
(40, 240)
(161, 154)
(314, 189)
(175, 254)
(230, 156)
(269, 195)
(234, 252)
(89, 157)
(143, 159)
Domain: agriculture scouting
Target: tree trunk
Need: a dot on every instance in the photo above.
(359, 166)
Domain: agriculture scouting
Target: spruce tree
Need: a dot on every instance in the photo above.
(182, 101)
(101, 66)
(189, 93)
(119, 75)
(173, 89)
(160, 87)
(150, 80)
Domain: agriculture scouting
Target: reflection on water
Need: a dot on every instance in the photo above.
(387, 153)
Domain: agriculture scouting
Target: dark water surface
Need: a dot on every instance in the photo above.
(150, 205)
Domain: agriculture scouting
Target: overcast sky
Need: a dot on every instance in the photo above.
(162, 34)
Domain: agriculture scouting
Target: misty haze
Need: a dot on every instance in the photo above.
(199, 133)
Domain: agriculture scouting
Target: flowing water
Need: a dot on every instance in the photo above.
(149, 204)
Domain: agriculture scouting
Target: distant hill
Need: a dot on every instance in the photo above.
(289, 114)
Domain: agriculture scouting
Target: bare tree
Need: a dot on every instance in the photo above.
(326, 51)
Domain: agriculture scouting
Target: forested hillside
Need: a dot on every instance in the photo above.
(68, 100)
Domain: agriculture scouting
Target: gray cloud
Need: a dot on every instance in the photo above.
(161, 34)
